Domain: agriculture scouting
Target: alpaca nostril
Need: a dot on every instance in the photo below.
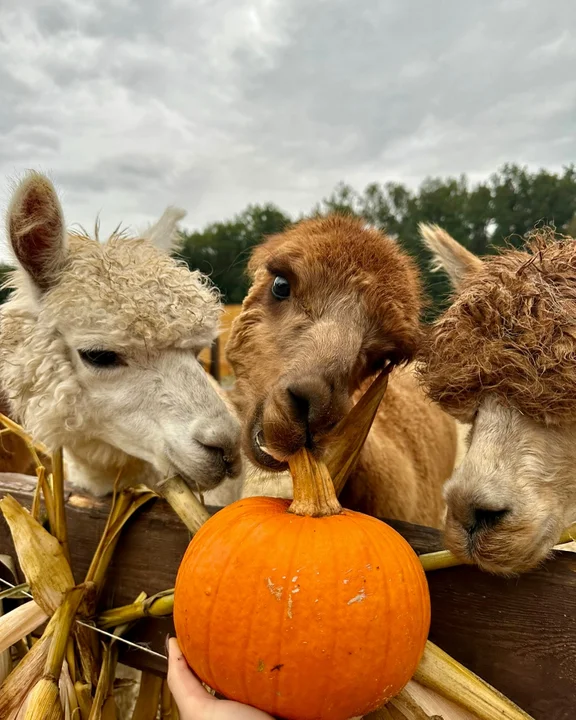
(311, 401)
(486, 519)
(222, 439)
(301, 402)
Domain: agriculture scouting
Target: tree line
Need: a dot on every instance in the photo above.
(482, 216)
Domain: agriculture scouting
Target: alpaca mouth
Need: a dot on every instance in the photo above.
(206, 476)
(262, 454)
(486, 551)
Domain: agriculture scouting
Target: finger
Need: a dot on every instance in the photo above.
(183, 684)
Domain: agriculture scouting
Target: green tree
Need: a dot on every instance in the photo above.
(523, 200)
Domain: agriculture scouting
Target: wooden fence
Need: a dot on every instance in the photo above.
(214, 359)
(519, 634)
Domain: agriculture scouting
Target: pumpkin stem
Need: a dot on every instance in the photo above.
(314, 493)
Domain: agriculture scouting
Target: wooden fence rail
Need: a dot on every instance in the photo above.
(518, 634)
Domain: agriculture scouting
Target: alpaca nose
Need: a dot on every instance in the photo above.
(311, 400)
(222, 435)
(486, 519)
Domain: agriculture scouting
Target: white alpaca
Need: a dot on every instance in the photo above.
(98, 352)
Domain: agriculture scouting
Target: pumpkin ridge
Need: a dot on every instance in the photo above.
(330, 679)
(239, 545)
(423, 584)
(266, 520)
(375, 548)
(290, 573)
(416, 572)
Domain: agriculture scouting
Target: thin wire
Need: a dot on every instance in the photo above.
(121, 639)
(97, 629)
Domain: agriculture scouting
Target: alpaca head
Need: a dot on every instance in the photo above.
(502, 358)
(99, 346)
(331, 302)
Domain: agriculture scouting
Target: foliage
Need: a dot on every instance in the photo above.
(222, 249)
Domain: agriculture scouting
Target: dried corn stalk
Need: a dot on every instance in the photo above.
(184, 503)
(148, 697)
(440, 672)
(158, 605)
(64, 674)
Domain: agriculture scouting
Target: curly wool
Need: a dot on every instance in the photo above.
(510, 332)
(124, 295)
(129, 292)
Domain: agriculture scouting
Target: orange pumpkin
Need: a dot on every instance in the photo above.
(304, 610)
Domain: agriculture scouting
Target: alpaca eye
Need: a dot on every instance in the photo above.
(101, 358)
(280, 288)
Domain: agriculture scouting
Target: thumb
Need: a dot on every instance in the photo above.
(183, 684)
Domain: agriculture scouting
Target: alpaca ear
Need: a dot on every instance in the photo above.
(448, 254)
(36, 230)
(164, 233)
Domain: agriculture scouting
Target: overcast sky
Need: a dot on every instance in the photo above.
(131, 105)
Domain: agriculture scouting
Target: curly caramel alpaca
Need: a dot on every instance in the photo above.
(510, 332)
(504, 356)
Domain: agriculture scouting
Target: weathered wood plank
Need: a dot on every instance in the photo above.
(519, 635)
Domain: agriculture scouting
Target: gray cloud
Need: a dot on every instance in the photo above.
(132, 105)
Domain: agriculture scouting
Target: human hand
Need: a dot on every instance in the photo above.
(194, 702)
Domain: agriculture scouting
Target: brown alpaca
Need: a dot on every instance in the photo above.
(331, 302)
(503, 357)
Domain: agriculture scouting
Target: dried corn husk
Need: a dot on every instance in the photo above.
(20, 622)
(103, 687)
(441, 673)
(104, 705)
(351, 432)
(148, 698)
(124, 505)
(416, 702)
(5, 659)
(34, 446)
(84, 696)
(17, 686)
(41, 558)
(44, 701)
(68, 694)
(382, 713)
